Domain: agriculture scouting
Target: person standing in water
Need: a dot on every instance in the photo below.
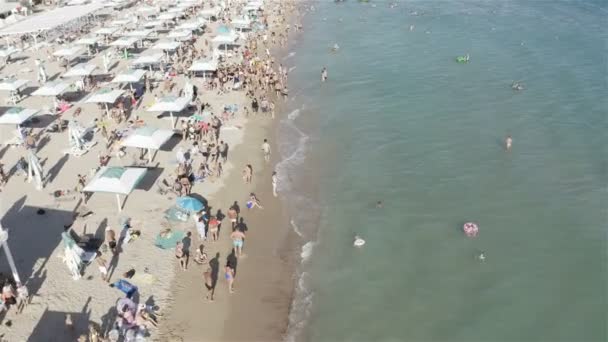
(266, 150)
(508, 143)
(324, 75)
(274, 183)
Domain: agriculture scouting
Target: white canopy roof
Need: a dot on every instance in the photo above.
(191, 25)
(69, 51)
(148, 59)
(204, 65)
(104, 96)
(180, 34)
(7, 51)
(230, 38)
(129, 76)
(16, 115)
(153, 23)
(148, 137)
(125, 41)
(80, 70)
(241, 23)
(50, 19)
(170, 104)
(12, 84)
(143, 33)
(107, 30)
(167, 16)
(169, 45)
(176, 10)
(120, 22)
(87, 41)
(210, 12)
(52, 88)
(117, 180)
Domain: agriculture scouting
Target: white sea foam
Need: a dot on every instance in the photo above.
(295, 228)
(293, 115)
(300, 310)
(307, 250)
(289, 55)
(291, 69)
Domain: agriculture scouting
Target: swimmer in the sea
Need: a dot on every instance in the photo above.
(335, 48)
(481, 256)
(508, 143)
(379, 204)
(358, 241)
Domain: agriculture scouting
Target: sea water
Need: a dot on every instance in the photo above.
(399, 120)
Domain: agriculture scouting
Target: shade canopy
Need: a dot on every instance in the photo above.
(104, 96)
(69, 51)
(107, 30)
(241, 23)
(7, 51)
(170, 104)
(129, 76)
(52, 88)
(168, 45)
(153, 23)
(16, 115)
(49, 20)
(117, 180)
(143, 33)
(191, 25)
(204, 65)
(148, 59)
(189, 204)
(167, 16)
(125, 41)
(12, 84)
(81, 70)
(148, 137)
(210, 12)
(120, 22)
(229, 38)
(87, 41)
(179, 35)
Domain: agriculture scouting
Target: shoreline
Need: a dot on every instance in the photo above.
(265, 275)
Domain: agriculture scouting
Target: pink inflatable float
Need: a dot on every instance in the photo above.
(470, 229)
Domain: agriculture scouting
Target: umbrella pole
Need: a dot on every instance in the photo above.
(150, 155)
(107, 111)
(172, 120)
(118, 202)
(11, 262)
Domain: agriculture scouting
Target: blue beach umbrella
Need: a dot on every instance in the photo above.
(189, 204)
(223, 30)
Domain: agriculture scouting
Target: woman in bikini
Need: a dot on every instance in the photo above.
(180, 255)
(230, 278)
(214, 228)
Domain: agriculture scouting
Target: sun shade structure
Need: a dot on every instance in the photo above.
(12, 84)
(168, 45)
(69, 52)
(87, 41)
(150, 138)
(226, 39)
(107, 30)
(191, 25)
(49, 20)
(104, 96)
(241, 23)
(129, 76)
(139, 33)
(16, 115)
(153, 23)
(116, 180)
(189, 204)
(81, 70)
(167, 16)
(52, 88)
(7, 51)
(148, 60)
(180, 34)
(210, 12)
(125, 42)
(171, 104)
(204, 65)
(120, 22)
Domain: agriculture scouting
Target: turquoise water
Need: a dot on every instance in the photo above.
(400, 121)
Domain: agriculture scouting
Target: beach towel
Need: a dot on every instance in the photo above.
(168, 240)
(126, 287)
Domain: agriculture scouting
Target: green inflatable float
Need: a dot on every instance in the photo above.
(463, 59)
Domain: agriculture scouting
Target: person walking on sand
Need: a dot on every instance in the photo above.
(181, 255)
(248, 174)
(324, 75)
(266, 150)
(508, 143)
(274, 183)
(237, 237)
(103, 267)
(209, 284)
(230, 278)
(233, 214)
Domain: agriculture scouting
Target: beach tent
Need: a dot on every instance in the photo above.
(129, 76)
(149, 138)
(171, 104)
(80, 70)
(17, 115)
(148, 60)
(116, 180)
(104, 96)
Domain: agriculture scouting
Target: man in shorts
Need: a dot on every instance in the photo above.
(233, 214)
(208, 284)
(266, 150)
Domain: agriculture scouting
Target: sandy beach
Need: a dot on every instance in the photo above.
(63, 307)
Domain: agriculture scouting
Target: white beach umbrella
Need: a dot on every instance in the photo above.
(81, 70)
(106, 31)
(143, 33)
(148, 60)
(225, 39)
(209, 12)
(104, 96)
(12, 84)
(116, 180)
(242, 23)
(167, 16)
(34, 169)
(180, 34)
(153, 23)
(91, 40)
(176, 10)
(167, 45)
(69, 52)
(17, 115)
(129, 76)
(7, 51)
(150, 138)
(204, 65)
(171, 104)
(120, 22)
(191, 25)
(52, 88)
